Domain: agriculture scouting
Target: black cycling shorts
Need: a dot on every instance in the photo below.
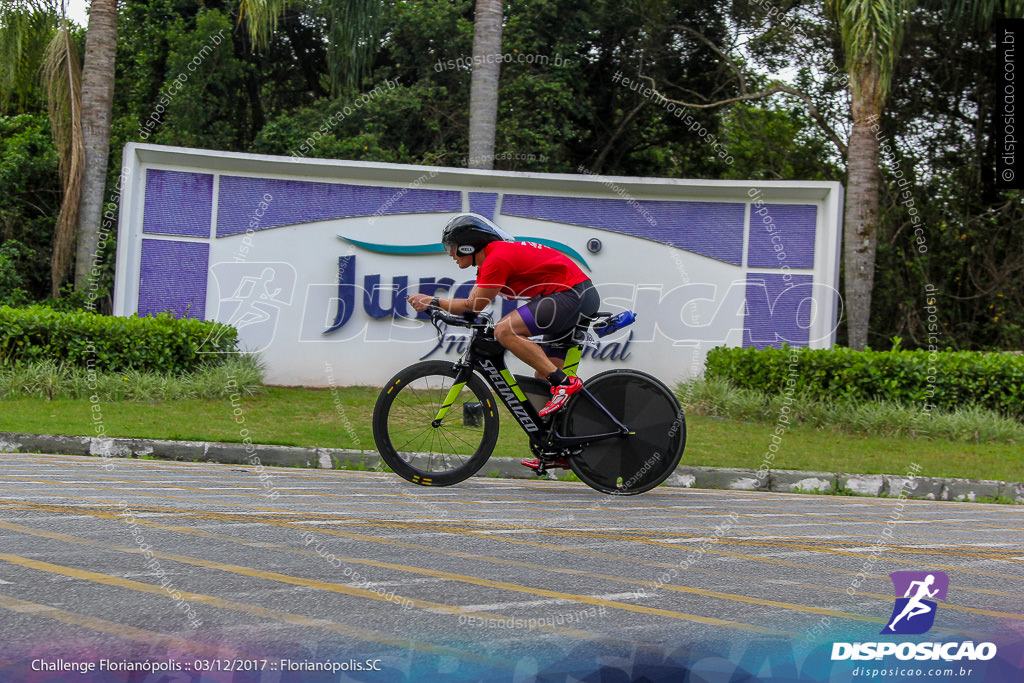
(555, 316)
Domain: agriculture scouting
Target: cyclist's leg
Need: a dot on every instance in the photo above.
(555, 317)
(559, 316)
(539, 315)
(513, 333)
(590, 301)
(557, 358)
(564, 342)
(536, 318)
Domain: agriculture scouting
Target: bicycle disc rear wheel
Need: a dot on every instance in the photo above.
(640, 461)
(413, 446)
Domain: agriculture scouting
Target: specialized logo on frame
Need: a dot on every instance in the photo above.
(916, 596)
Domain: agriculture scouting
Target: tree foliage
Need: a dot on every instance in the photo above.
(561, 108)
(25, 31)
(31, 188)
(941, 128)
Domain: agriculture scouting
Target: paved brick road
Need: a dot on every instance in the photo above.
(206, 567)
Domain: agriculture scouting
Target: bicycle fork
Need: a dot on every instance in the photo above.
(461, 377)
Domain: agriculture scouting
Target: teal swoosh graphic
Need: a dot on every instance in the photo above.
(436, 248)
(404, 249)
(564, 248)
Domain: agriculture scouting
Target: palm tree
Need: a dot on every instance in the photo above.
(352, 28)
(483, 90)
(26, 28)
(982, 12)
(872, 34)
(79, 102)
(354, 23)
(97, 104)
(63, 79)
(34, 38)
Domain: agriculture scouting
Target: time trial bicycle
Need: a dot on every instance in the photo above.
(623, 433)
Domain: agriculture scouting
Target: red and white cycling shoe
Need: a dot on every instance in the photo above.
(534, 463)
(560, 394)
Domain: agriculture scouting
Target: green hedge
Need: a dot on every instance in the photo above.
(109, 343)
(946, 379)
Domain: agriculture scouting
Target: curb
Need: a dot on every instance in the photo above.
(685, 476)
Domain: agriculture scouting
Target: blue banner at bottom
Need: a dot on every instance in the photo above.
(549, 659)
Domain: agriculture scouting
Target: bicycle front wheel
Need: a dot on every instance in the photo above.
(638, 462)
(420, 428)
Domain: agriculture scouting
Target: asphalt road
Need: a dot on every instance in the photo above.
(219, 572)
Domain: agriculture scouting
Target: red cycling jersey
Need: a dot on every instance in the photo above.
(524, 270)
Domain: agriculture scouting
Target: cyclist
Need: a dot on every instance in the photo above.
(556, 291)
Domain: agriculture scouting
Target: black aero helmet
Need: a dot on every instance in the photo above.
(471, 232)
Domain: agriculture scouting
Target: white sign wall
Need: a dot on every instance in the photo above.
(310, 259)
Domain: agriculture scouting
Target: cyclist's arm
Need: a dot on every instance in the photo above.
(477, 301)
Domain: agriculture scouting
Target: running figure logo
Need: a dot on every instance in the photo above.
(914, 613)
(256, 302)
(250, 297)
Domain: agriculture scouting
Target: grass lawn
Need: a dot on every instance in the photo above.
(341, 419)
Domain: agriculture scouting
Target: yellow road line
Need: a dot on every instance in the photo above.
(811, 549)
(470, 556)
(292, 475)
(504, 585)
(376, 540)
(712, 594)
(318, 475)
(256, 573)
(438, 607)
(116, 629)
(255, 610)
(884, 503)
(233, 569)
(488, 583)
(666, 565)
(447, 528)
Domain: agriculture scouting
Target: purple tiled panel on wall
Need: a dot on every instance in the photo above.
(793, 226)
(777, 311)
(289, 202)
(483, 203)
(173, 278)
(713, 229)
(178, 203)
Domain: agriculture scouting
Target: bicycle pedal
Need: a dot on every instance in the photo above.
(541, 466)
(534, 464)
